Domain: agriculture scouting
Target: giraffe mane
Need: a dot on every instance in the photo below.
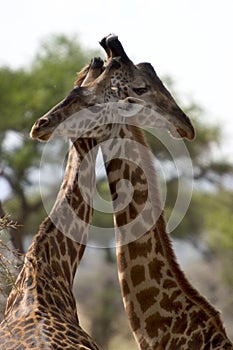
(81, 75)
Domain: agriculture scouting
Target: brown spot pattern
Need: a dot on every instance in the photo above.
(121, 261)
(137, 274)
(156, 322)
(124, 287)
(169, 303)
(169, 284)
(133, 318)
(180, 324)
(146, 298)
(155, 267)
(140, 197)
(139, 249)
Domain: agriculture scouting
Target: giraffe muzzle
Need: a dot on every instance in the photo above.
(40, 129)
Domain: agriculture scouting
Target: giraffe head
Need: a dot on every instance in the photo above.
(141, 81)
(137, 85)
(88, 92)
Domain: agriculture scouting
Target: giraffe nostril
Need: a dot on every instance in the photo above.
(42, 122)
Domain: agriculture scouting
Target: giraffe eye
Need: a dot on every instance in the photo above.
(141, 90)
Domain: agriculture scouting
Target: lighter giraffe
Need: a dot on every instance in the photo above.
(41, 310)
(164, 310)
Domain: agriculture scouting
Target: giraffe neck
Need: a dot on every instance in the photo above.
(164, 310)
(51, 260)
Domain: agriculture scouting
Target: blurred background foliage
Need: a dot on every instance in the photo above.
(25, 95)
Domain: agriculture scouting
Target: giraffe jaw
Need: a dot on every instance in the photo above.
(42, 137)
(38, 132)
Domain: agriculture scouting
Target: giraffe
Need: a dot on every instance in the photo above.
(149, 274)
(164, 309)
(41, 310)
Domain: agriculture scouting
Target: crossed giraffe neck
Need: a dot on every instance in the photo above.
(164, 310)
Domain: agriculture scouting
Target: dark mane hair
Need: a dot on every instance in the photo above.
(82, 75)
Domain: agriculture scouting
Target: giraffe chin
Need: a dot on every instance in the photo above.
(187, 134)
(178, 133)
(42, 137)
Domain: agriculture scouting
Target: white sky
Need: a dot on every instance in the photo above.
(191, 40)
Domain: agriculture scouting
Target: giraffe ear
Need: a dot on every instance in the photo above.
(130, 106)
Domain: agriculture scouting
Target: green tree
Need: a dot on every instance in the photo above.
(218, 221)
